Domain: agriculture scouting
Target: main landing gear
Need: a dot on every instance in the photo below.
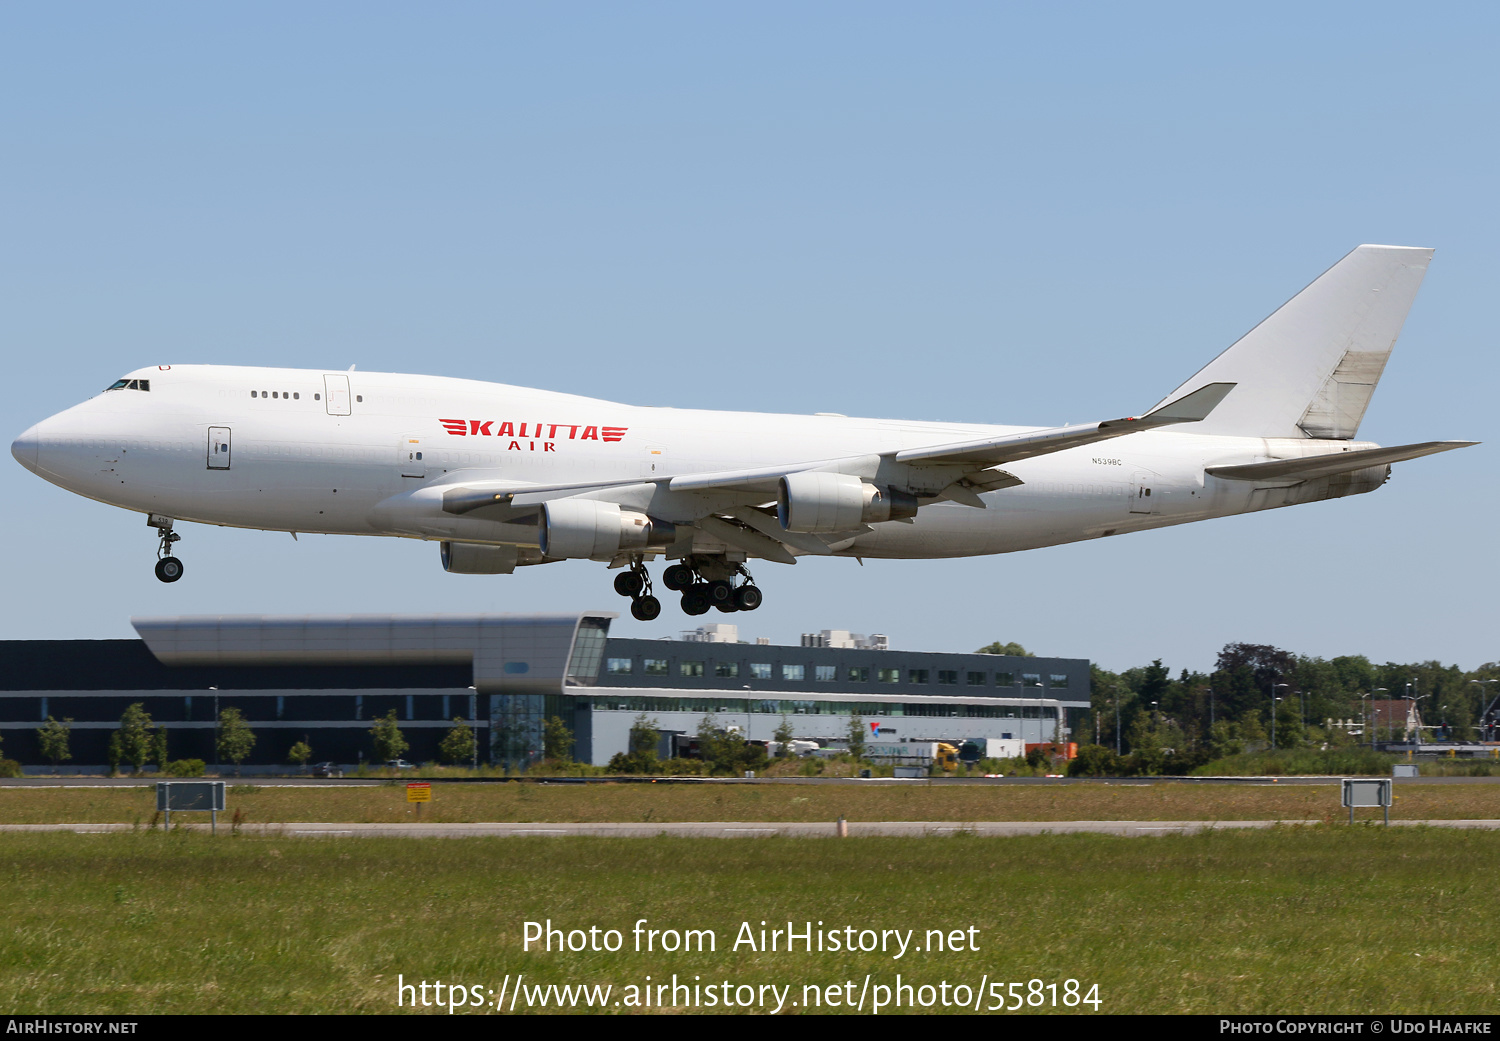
(636, 584)
(168, 567)
(707, 582)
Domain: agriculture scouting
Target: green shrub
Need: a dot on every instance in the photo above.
(185, 768)
(9, 768)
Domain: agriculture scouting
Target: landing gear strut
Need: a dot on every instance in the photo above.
(168, 567)
(707, 583)
(636, 584)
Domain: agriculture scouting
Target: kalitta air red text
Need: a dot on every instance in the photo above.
(548, 431)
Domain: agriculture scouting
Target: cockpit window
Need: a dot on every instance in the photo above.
(117, 385)
(128, 385)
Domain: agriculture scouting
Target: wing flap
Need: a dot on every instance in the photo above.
(1308, 468)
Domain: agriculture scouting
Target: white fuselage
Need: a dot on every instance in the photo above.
(363, 453)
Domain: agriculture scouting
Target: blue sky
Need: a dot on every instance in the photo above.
(1028, 214)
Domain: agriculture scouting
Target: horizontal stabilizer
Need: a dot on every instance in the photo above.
(1310, 467)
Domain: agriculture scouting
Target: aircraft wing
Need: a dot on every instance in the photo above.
(728, 504)
(1009, 449)
(1310, 467)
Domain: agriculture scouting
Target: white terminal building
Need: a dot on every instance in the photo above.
(325, 679)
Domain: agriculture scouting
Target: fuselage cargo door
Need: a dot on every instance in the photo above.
(1140, 492)
(409, 453)
(336, 394)
(654, 460)
(218, 448)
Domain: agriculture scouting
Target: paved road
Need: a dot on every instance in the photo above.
(743, 829)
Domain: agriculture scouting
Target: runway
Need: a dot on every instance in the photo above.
(742, 829)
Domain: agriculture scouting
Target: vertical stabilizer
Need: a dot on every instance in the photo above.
(1309, 370)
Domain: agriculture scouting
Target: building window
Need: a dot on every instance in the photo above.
(890, 675)
(1031, 679)
(760, 670)
(1059, 679)
(793, 673)
(826, 673)
(859, 674)
(948, 676)
(619, 666)
(691, 669)
(727, 670)
(916, 675)
(976, 679)
(654, 666)
(1004, 679)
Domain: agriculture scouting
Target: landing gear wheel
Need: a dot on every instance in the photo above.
(695, 599)
(169, 569)
(728, 606)
(629, 583)
(645, 609)
(720, 592)
(677, 577)
(747, 598)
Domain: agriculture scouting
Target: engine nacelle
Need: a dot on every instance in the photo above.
(475, 558)
(818, 502)
(588, 528)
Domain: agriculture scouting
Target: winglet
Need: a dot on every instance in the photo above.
(1191, 408)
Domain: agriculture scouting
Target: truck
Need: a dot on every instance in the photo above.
(992, 748)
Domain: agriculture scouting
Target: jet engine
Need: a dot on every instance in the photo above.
(827, 502)
(476, 558)
(575, 528)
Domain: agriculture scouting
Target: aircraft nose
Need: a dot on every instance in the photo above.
(27, 447)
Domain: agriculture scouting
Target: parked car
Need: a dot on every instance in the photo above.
(327, 770)
(399, 764)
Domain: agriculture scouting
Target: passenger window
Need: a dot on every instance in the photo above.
(296, 396)
(359, 397)
(252, 393)
(317, 397)
(274, 394)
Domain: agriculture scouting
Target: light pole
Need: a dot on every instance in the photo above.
(1116, 689)
(1374, 716)
(1274, 699)
(1364, 718)
(474, 728)
(216, 728)
(1210, 710)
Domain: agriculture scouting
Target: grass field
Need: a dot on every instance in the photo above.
(1362, 919)
(464, 803)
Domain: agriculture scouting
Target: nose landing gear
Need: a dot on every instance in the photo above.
(636, 584)
(168, 567)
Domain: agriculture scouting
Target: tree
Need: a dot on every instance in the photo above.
(299, 754)
(159, 749)
(389, 744)
(857, 736)
(783, 735)
(133, 741)
(458, 744)
(53, 740)
(645, 735)
(233, 737)
(1015, 650)
(557, 740)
